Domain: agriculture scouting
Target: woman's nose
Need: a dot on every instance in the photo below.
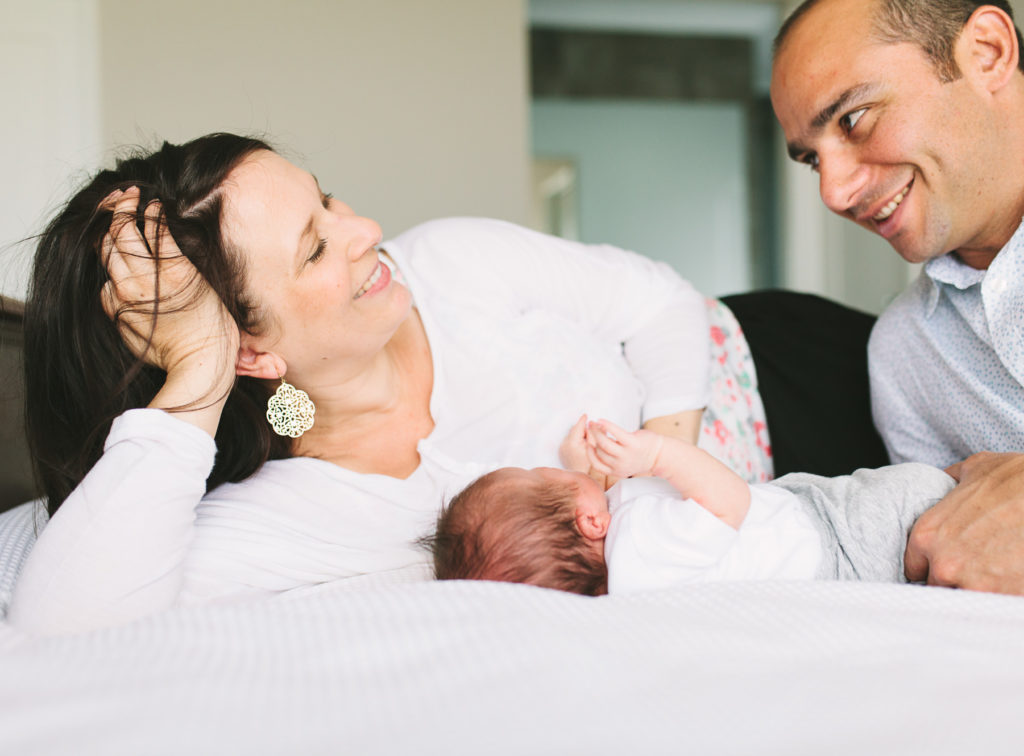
(361, 233)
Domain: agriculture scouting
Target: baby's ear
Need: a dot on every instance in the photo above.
(592, 525)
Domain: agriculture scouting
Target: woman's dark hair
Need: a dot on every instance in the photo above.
(79, 373)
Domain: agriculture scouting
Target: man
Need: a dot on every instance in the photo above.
(912, 114)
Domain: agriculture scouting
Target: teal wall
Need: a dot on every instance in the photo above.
(663, 179)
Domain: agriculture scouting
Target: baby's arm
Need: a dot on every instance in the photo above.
(692, 471)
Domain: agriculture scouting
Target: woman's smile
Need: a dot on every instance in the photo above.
(379, 279)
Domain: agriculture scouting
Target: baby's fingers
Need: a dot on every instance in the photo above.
(603, 440)
(612, 459)
(619, 434)
(578, 431)
(596, 463)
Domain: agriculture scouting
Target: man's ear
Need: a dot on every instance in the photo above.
(592, 525)
(987, 48)
(256, 364)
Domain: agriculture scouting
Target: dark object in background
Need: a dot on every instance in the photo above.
(811, 358)
(16, 482)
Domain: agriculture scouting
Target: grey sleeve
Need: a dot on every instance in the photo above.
(865, 518)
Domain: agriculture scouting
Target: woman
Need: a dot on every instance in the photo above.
(278, 280)
(134, 417)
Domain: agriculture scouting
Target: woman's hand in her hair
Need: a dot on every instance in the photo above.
(165, 311)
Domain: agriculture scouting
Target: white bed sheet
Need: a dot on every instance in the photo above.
(386, 667)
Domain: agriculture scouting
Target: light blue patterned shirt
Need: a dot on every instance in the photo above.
(946, 360)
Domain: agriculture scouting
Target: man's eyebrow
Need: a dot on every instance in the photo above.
(826, 114)
(829, 111)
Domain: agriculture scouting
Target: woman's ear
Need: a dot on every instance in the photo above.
(987, 48)
(256, 364)
(592, 525)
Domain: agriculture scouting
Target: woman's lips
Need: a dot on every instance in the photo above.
(379, 279)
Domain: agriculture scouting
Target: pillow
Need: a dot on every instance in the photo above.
(18, 530)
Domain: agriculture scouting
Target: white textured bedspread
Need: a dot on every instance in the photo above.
(485, 668)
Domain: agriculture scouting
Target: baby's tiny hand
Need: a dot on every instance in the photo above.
(573, 451)
(616, 451)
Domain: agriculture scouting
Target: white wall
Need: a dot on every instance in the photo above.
(406, 109)
(50, 129)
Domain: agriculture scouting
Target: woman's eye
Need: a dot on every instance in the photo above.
(326, 199)
(319, 251)
(848, 121)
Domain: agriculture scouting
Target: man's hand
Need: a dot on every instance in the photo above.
(974, 537)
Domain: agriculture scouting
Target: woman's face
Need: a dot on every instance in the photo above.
(312, 265)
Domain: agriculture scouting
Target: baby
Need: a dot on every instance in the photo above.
(694, 519)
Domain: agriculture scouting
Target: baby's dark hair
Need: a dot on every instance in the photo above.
(516, 533)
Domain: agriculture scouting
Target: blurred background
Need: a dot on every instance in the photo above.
(644, 123)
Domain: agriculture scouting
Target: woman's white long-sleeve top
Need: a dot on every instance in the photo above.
(526, 332)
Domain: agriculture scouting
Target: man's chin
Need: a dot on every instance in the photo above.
(915, 253)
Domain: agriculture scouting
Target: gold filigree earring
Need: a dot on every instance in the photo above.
(290, 410)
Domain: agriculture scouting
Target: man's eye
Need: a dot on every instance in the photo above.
(811, 161)
(848, 121)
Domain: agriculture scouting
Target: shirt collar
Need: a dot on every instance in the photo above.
(950, 270)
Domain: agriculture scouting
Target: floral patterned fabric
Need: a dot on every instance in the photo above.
(733, 427)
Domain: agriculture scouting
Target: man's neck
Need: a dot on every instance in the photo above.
(1001, 229)
(977, 259)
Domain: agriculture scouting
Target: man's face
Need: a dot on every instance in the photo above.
(897, 150)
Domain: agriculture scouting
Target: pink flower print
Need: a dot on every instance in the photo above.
(717, 336)
(759, 436)
(721, 432)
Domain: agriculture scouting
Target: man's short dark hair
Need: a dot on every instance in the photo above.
(932, 25)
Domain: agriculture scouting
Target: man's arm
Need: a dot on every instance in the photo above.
(974, 537)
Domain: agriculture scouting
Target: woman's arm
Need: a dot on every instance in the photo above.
(684, 425)
(629, 301)
(691, 471)
(115, 549)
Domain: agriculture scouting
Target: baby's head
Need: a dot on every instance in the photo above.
(544, 527)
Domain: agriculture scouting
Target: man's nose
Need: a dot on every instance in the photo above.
(842, 178)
